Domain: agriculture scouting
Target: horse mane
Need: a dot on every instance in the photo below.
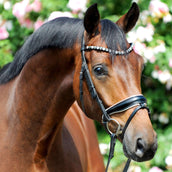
(61, 33)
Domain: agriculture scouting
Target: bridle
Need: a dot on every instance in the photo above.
(138, 101)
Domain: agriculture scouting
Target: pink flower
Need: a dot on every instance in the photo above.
(152, 59)
(77, 5)
(26, 22)
(149, 55)
(57, 14)
(145, 33)
(170, 63)
(3, 33)
(20, 9)
(158, 8)
(134, 169)
(139, 47)
(164, 76)
(35, 6)
(155, 169)
(160, 48)
(38, 24)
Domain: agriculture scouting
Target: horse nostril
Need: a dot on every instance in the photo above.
(140, 148)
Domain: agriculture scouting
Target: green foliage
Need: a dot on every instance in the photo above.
(119, 160)
(57, 5)
(5, 52)
(157, 92)
(109, 7)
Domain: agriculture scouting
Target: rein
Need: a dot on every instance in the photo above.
(138, 101)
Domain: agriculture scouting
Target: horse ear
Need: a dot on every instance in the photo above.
(91, 20)
(128, 20)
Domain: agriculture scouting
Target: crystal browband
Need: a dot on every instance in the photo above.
(115, 52)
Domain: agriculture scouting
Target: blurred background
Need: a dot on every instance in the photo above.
(152, 38)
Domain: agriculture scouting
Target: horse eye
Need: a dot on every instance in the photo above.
(100, 70)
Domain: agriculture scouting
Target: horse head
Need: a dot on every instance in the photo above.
(110, 81)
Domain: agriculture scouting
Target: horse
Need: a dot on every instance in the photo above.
(66, 60)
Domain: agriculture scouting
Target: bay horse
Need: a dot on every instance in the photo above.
(69, 59)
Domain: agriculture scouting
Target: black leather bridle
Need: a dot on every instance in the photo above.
(138, 101)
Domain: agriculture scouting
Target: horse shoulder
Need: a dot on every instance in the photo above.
(76, 148)
(84, 134)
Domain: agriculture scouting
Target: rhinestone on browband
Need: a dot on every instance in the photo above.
(114, 52)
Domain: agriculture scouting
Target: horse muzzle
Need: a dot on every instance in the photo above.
(139, 148)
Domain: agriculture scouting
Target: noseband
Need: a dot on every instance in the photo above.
(138, 101)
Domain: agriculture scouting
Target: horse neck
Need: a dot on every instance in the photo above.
(43, 94)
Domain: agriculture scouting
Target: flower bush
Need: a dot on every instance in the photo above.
(3, 33)
(22, 9)
(152, 39)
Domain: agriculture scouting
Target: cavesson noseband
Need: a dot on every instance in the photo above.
(138, 101)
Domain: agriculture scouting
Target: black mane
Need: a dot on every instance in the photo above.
(61, 33)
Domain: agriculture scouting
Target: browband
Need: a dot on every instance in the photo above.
(114, 52)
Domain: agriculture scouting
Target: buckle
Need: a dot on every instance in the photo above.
(118, 130)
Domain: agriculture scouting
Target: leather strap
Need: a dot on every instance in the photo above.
(141, 106)
(126, 104)
(137, 100)
(85, 74)
(127, 165)
(111, 152)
